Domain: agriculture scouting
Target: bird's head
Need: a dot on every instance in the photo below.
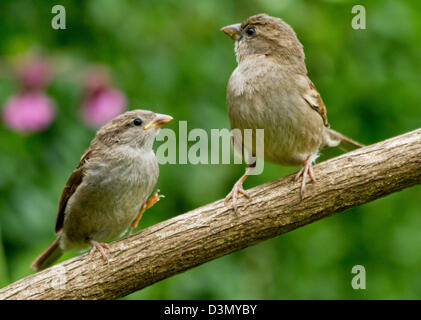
(265, 35)
(137, 129)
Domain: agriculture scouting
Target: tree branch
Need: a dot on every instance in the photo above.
(211, 231)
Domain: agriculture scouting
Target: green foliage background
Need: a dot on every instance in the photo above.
(169, 56)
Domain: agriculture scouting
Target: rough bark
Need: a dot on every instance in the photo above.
(211, 231)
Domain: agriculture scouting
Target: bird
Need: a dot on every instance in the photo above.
(107, 193)
(270, 90)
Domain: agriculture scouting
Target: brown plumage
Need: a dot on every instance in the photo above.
(108, 191)
(270, 90)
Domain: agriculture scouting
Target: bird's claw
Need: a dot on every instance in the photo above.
(235, 192)
(98, 246)
(307, 169)
(149, 203)
(153, 199)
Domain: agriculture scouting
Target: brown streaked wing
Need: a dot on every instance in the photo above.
(71, 185)
(313, 98)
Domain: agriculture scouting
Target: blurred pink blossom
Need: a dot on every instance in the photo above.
(102, 102)
(28, 112)
(34, 74)
(102, 106)
(97, 79)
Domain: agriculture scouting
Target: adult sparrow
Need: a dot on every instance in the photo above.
(108, 192)
(270, 90)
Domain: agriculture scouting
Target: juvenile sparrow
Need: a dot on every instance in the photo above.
(270, 90)
(108, 192)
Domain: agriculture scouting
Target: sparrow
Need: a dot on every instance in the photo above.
(270, 90)
(108, 192)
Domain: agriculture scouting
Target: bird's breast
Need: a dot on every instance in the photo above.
(263, 95)
(109, 198)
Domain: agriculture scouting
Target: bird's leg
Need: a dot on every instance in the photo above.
(238, 189)
(97, 246)
(149, 203)
(306, 169)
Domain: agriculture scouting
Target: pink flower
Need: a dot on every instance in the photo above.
(97, 78)
(34, 74)
(28, 112)
(103, 105)
(103, 102)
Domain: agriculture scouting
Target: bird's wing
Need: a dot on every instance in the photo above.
(313, 98)
(72, 183)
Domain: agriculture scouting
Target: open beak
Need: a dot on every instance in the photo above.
(159, 121)
(233, 31)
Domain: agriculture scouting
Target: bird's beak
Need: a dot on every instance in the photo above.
(159, 121)
(233, 31)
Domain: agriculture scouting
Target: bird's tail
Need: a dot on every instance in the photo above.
(48, 257)
(332, 138)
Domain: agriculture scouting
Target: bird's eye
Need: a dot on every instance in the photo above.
(251, 31)
(137, 122)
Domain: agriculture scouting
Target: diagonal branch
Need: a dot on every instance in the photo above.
(211, 231)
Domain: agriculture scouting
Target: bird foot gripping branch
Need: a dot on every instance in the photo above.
(237, 190)
(100, 247)
(307, 169)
